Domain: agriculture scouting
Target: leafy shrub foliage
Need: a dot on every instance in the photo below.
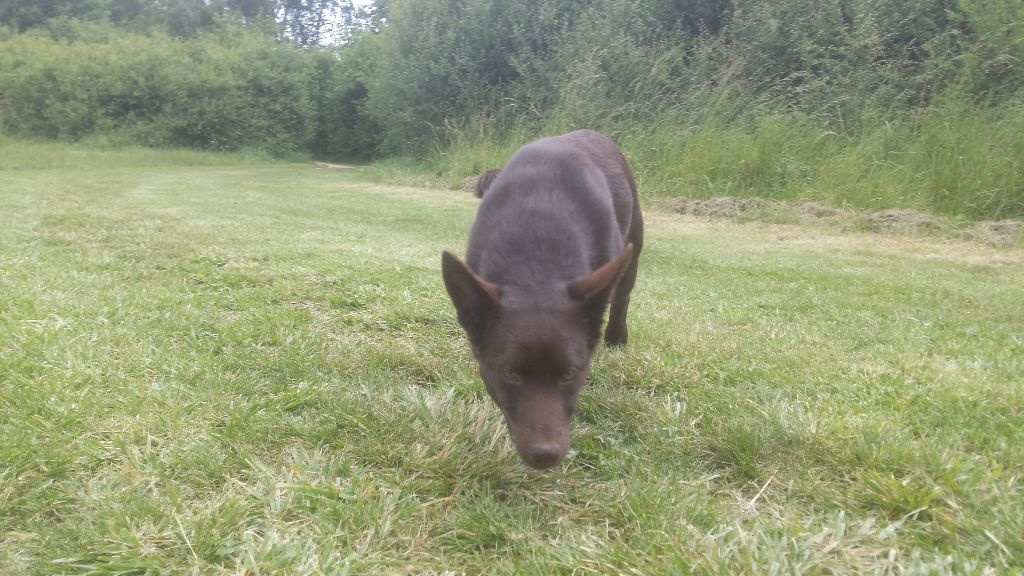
(226, 91)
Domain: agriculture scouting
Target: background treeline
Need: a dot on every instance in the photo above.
(916, 103)
(221, 75)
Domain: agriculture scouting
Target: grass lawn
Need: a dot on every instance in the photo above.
(214, 364)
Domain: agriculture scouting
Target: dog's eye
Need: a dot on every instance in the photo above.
(570, 374)
(509, 374)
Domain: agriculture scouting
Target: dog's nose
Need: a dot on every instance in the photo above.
(541, 456)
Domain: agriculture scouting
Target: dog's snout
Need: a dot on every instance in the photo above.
(542, 456)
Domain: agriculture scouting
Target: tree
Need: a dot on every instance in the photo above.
(318, 22)
(22, 15)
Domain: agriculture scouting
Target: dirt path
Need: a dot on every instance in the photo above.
(332, 165)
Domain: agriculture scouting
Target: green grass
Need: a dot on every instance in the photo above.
(952, 158)
(211, 365)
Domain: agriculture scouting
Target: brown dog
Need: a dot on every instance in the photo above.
(556, 238)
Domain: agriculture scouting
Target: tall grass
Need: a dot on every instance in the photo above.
(950, 158)
(895, 105)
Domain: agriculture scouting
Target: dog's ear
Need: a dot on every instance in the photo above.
(600, 283)
(475, 299)
(483, 182)
(595, 290)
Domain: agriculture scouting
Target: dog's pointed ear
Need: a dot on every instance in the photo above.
(484, 182)
(594, 291)
(475, 299)
(598, 285)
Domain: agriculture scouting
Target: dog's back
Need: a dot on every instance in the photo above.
(560, 208)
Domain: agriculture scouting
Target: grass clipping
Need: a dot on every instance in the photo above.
(900, 220)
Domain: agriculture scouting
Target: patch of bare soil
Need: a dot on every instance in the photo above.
(333, 166)
(996, 232)
(469, 183)
(722, 206)
(900, 219)
(818, 210)
(837, 236)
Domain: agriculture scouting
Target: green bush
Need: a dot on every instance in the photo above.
(224, 91)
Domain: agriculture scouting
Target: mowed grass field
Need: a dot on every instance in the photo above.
(219, 365)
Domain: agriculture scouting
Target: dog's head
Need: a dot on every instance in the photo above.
(534, 348)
